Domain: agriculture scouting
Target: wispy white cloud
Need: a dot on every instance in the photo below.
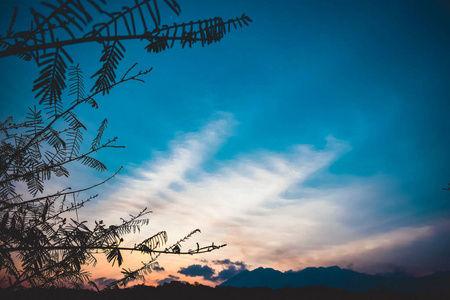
(261, 204)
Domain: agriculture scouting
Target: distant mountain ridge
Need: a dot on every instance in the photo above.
(336, 277)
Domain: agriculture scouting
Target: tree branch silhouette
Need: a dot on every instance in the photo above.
(41, 245)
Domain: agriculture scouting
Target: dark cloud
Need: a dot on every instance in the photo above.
(222, 262)
(168, 279)
(395, 271)
(158, 269)
(102, 281)
(239, 264)
(424, 256)
(198, 270)
(227, 273)
(229, 269)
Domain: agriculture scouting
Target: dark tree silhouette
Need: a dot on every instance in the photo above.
(41, 243)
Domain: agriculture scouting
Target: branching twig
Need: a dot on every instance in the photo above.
(8, 206)
(205, 249)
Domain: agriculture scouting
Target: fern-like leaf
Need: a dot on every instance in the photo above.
(92, 102)
(34, 121)
(153, 242)
(96, 142)
(106, 76)
(129, 16)
(113, 255)
(13, 20)
(177, 244)
(35, 183)
(64, 15)
(75, 137)
(73, 121)
(51, 81)
(76, 86)
(206, 31)
(54, 139)
(21, 54)
(56, 157)
(60, 171)
(7, 189)
(93, 163)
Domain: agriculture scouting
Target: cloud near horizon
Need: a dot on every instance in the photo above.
(198, 270)
(103, 281)
(168, 279)
(229, 269)
(284, 210)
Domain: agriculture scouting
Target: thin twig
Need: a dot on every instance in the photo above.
(205, 249)
(59, 194)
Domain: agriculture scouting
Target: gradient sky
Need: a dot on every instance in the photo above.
(317, 136)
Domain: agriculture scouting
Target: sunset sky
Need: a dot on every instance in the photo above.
(317, 136)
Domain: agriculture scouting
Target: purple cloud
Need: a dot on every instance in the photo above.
(227, 273)
(158, 269)
(228, 262)
(168, 279)
(230, 269)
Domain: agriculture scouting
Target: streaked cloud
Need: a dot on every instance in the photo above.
(284, 210)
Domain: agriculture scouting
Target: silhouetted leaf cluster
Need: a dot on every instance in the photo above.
(56, 26)
(42, 241)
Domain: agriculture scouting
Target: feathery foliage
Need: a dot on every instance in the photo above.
(55, 27)
(41, 244)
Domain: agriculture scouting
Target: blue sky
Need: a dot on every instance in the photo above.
(341, 105)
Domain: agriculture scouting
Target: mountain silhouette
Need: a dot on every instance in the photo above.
(336, 277)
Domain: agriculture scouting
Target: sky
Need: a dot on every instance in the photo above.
(317, 136)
